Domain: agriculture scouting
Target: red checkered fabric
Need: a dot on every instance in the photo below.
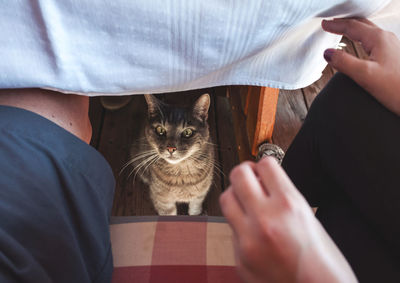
(172, 249)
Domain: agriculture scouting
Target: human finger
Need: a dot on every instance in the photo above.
(246, 187)
(241, 268)
(232, 211)
(246, 273)
(366, 21)
(358, 69)
(354, 29)
(274, 178)
(363, 20)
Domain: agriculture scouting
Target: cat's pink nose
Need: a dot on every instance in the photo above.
(171, 149)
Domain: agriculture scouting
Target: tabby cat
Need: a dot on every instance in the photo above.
(176, 156)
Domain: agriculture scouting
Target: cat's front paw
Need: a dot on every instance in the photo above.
(170, 212)
(195, 210)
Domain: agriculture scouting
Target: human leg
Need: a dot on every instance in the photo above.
(345, 160)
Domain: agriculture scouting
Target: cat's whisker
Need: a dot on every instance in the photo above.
(207, 158)
(141, 162)
(137, 157)
(150, 163)
(146, 159)
(210, 162)
(215, 184)
(141, 165)
(217, 146)
(220, 171)
(216, 164)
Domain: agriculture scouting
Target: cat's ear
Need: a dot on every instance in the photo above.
(201, 106)
(153, 106)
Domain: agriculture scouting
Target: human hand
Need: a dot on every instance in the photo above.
(380, 75)
(277, 237)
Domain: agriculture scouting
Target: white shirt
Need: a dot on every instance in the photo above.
(151, 46)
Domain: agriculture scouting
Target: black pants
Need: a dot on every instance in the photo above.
(346, 161)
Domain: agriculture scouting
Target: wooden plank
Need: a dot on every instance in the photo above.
(254, 98)
(266, 113)
(96, 116)
(312, 91)
(211, 203)
(114, 132)
(239, 121)
(350, 46)
(247, 99)
(360, 52)
(291, 112)
(120, 129)
(226, 135)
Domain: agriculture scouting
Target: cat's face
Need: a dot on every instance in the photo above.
(177, 133)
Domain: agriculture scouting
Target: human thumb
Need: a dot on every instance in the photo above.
(357, 69)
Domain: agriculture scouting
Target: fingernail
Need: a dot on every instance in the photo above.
(328, 54)
(325, 23)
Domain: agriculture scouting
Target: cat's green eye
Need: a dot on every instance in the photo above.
(160, 131)
(187, 133)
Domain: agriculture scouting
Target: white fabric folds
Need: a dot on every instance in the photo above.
(97, 47)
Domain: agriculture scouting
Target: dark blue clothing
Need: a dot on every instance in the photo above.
(55, 201)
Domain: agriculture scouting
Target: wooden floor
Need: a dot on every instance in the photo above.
(115, 132)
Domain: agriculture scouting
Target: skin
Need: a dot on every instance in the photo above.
(277, 237)
(69, 111)
(380, 74)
